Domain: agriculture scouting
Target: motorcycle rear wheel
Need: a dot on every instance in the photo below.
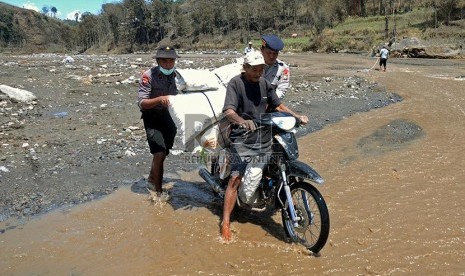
(311, 210)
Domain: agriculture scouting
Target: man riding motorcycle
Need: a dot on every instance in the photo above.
(248, 95)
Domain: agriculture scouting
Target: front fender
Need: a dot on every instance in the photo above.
(300, 169)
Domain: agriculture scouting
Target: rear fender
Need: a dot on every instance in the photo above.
(302, 170)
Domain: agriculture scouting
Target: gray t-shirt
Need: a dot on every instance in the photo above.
(249, 100)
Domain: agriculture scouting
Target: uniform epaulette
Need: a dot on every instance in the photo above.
(281, 63)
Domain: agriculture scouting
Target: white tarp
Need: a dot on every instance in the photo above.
(197, 110)
(227, 72)
(194, 112)
(192, 80)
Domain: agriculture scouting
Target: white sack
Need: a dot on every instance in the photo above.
(193, 113)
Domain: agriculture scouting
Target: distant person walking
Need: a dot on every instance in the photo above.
(249, 48)
(383, 57)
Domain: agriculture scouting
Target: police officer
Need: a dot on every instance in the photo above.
(276, 71)
(155, 87)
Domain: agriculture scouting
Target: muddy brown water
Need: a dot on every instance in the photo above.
(394, 188)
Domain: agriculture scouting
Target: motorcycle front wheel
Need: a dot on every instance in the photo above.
(312, 228)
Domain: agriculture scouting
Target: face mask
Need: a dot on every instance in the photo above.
(166, 72)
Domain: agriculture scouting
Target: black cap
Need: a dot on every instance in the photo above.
(166, 52)
(273, 42)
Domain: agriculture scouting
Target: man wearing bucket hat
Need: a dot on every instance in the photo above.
(155, 87)
(276, 71)
(247, 97)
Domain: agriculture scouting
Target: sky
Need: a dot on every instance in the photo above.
(66, 8)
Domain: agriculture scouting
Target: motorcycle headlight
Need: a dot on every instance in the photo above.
(285, 123)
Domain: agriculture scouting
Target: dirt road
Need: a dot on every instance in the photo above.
(394, 188)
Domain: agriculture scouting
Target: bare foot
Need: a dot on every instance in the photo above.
(226, 232)
(160, 197)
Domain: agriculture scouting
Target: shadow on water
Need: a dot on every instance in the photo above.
(183, 193)
(190, 195)
(263, 219)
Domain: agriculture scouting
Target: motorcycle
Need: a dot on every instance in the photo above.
(284, 186)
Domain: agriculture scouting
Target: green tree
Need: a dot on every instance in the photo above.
(45, 10)
(161, 11)
(443, 10)
(10, 32)
(180, 22)
(54, 11)
(135, 23)
(113, 14)
(87, 31)
(203, 17)
(263, 15)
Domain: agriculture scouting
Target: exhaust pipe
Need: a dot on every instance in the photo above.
(211, 181)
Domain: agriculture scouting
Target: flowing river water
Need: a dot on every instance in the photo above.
(394, 187)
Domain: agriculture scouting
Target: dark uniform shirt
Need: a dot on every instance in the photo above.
(154, 83)
(159, 126)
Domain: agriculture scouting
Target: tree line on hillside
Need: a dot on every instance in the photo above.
(49, 10)
(132, 25)
(22, 28)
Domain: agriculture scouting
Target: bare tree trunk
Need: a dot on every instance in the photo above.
(394, 31)
(386, 25)
(363, 10)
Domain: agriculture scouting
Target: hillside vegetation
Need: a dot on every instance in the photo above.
(26, 31)
(305, 25)
(364, 33)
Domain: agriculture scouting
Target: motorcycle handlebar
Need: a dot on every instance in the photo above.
(266, 121)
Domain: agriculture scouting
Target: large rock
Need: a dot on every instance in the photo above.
(413, 47)
(17, 94)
